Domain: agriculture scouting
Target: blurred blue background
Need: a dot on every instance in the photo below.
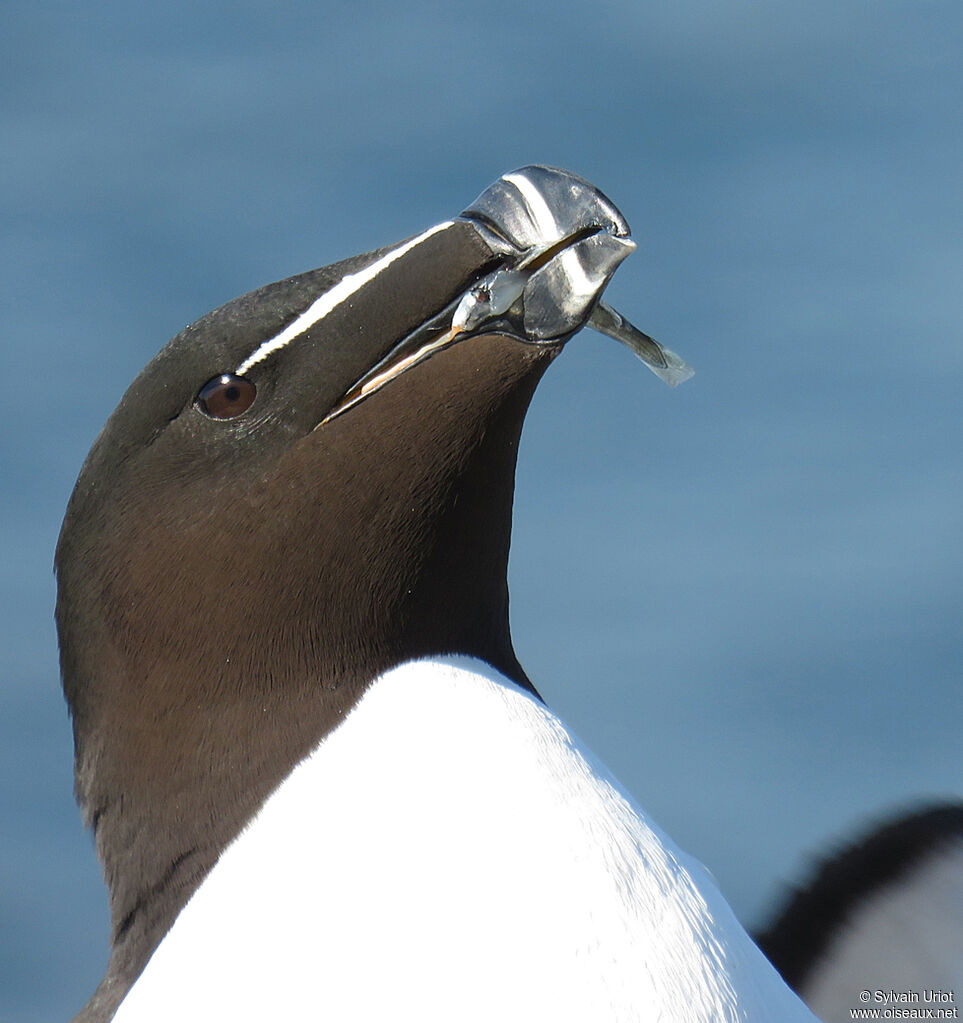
(743, 594)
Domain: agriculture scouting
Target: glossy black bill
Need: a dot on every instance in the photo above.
(560, 241)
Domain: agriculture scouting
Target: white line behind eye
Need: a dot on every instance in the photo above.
(332, 298)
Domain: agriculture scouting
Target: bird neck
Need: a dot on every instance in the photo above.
(203, 664)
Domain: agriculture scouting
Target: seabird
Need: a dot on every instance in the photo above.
(321, 785)
(879, 923)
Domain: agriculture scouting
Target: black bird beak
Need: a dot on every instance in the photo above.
(560, 241)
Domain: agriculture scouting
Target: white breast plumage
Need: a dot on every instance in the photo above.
(450, 852)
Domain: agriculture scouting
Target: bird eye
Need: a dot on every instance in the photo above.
(226, 396)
